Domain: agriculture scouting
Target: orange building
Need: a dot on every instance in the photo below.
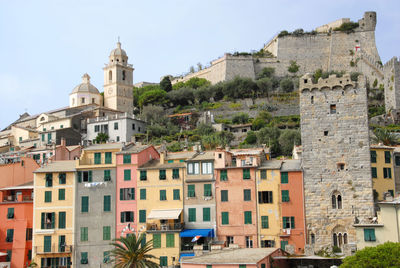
(16, 214)
(18, 171)
(292, 205)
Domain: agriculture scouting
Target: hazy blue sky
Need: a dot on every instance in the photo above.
(46, 46)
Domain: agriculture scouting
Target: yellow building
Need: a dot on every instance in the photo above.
(268, 205)
(160, 204)
(382, 171)
(53, 214)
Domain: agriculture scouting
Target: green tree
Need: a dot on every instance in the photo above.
(203, 94)
(266, 72)
(240, 118)
(288, 139)
(193, 82)
(264, 86)
(293, 67)
(240, 88)
(270, 136)
(102, 138)
(138, 91)
(287, 85)
(204, 129)
(384, 136)
(262, 120)
(132, 252)
(221, 138)
(165, 84)
(154, 114)
(251, 138)
(385, 255)
(155, 97)
(182, 96)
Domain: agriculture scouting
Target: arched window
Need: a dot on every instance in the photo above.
(42, 118)
(110, 75)
(336, 200)
(312, 238)
(73, 101)
(335, 242)
(339, 236)
(345, 238)
(123, 75)
(340, 242)
(339, 201)
(333, 201)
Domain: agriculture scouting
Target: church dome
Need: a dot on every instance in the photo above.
(118, 51)
(85, 86)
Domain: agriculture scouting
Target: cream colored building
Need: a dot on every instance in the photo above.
(85, 93)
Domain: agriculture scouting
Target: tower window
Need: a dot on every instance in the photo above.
(123, 75)
(312, 99)
(326, 133)
(336, 200)
(83, 100)
(92, 100)
(110, 75)
(333, 108)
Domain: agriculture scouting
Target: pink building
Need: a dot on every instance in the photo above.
(126, 207)
(236, 195)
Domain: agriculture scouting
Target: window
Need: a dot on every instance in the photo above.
(207, 190)
(84, 234)
(62, 178)
(373, 156)
(333, 108)
(264, 222)
(285, 196)
(369, 235)
(163, 174)
(247, 217)
(85, 204)
(163, 195)
(82, 100)
(142, 216)
(284, 244)
(249, 244)
(175, 173)
(96, 128)
(106, 232)
(391, 192)
(192, 214)
(47, 243)
(133, 127)
(49, 180)
(127, 216)
(61, 243)
(43, 137)
(374, 172)
(224, 195)
(284, 177)
(163, 261)
(47, 196)
(127, 158)
(107, 175)
(142, 194)
(243, 265)
(193, 168)
(206, 168)
(206, 214)
(312, 239)
(387, 173)
(336, 200)
(387, 157)
(246, 173)
(225, 218)
(97, 158)
(106, 256)
(267, 243)
(247, 195)
(156, 240)
(126, 194)
(85, 176)
(127, 175)
(117, 138)
(229, 240)
(110, 75)
(10, 235)
(107, 203)
(10, 213)
(48, 220)
(326, 132)
(61, 194)
(8, 257)
(263, 174)
(191, 190)
(116, 126)
(170, 240)
(84, 256)
(176, 194)
(143, 175)
(93, 100)
(29, 232)
(288, 222)
(108, 158)
(265, 197)
(48, 137)
(123, 75)
(61, 219)
(397, 160)
(223, 175)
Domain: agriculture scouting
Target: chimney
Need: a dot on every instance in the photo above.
(163, 155)
(63, 142)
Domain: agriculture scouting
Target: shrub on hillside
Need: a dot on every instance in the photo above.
(182, 96)
(240, 118)
(266, 72)
(287, 85)
(288, 139)
(155, 97)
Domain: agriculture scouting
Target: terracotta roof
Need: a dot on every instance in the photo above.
(134, 149)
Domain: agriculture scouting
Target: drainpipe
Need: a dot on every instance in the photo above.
(257, 210)
(397, 223)
(304, 212)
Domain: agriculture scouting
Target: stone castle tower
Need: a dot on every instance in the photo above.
(336, 160)
(118, 81)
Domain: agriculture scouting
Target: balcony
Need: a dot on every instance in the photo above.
(285, 232)
(16, 199)
(164, 227)
(54, 249)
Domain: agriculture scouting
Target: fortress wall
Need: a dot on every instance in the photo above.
(242, 66)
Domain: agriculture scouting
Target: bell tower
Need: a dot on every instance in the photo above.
(118, 81)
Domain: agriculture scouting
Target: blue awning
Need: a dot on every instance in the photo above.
(195, 232)
(186, 255)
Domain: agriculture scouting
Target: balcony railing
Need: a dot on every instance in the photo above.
(156, 227)
(90, 162)
(53, 249)
(14, 198)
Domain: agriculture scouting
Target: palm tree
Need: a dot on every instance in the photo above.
(132, 252)
(102, 138)
(384, 136)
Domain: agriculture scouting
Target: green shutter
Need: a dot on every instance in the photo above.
(143, 244)
(225, 218)
(123, 218)
(206, 214)
(175, 173)
(61, 243)
(107, 175)
(163, 195)
(170, 161)
(292, 226)
(107, 203)
(373, 156)
(163, 261)
(246, 173)
(284, 244)
(43, 220)
(61, 219)
(132, 193)
(127, 158)
(142, 216)
(49, 180)
(191, 190)
(85, 204)
(156, 240)
(143, 194)
(387, 157)
(61, 178)
(10, 213)
(84, 258)
(247, 195)
(207, 190)
(143, 175)
(106, 233)
(224, 195)
(97, 158)
(264, 222)
(170, 240)
(192, 214)
(374, 172)
(79, 176)
(84, 234)
(127, 175)
(47, 196)
(390, 172)
(247, 217)
(369, 235)
(263, 174)
(177, 195)
(47, 243)
(61, 194)
(163, 174)
(285, 196)
(10, 235)
(224, 175)
(108, 158)
(90, 173)
(284, 177)
(242, 265)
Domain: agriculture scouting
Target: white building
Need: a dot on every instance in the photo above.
(85, 93)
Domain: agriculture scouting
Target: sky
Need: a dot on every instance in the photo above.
(46, 46)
